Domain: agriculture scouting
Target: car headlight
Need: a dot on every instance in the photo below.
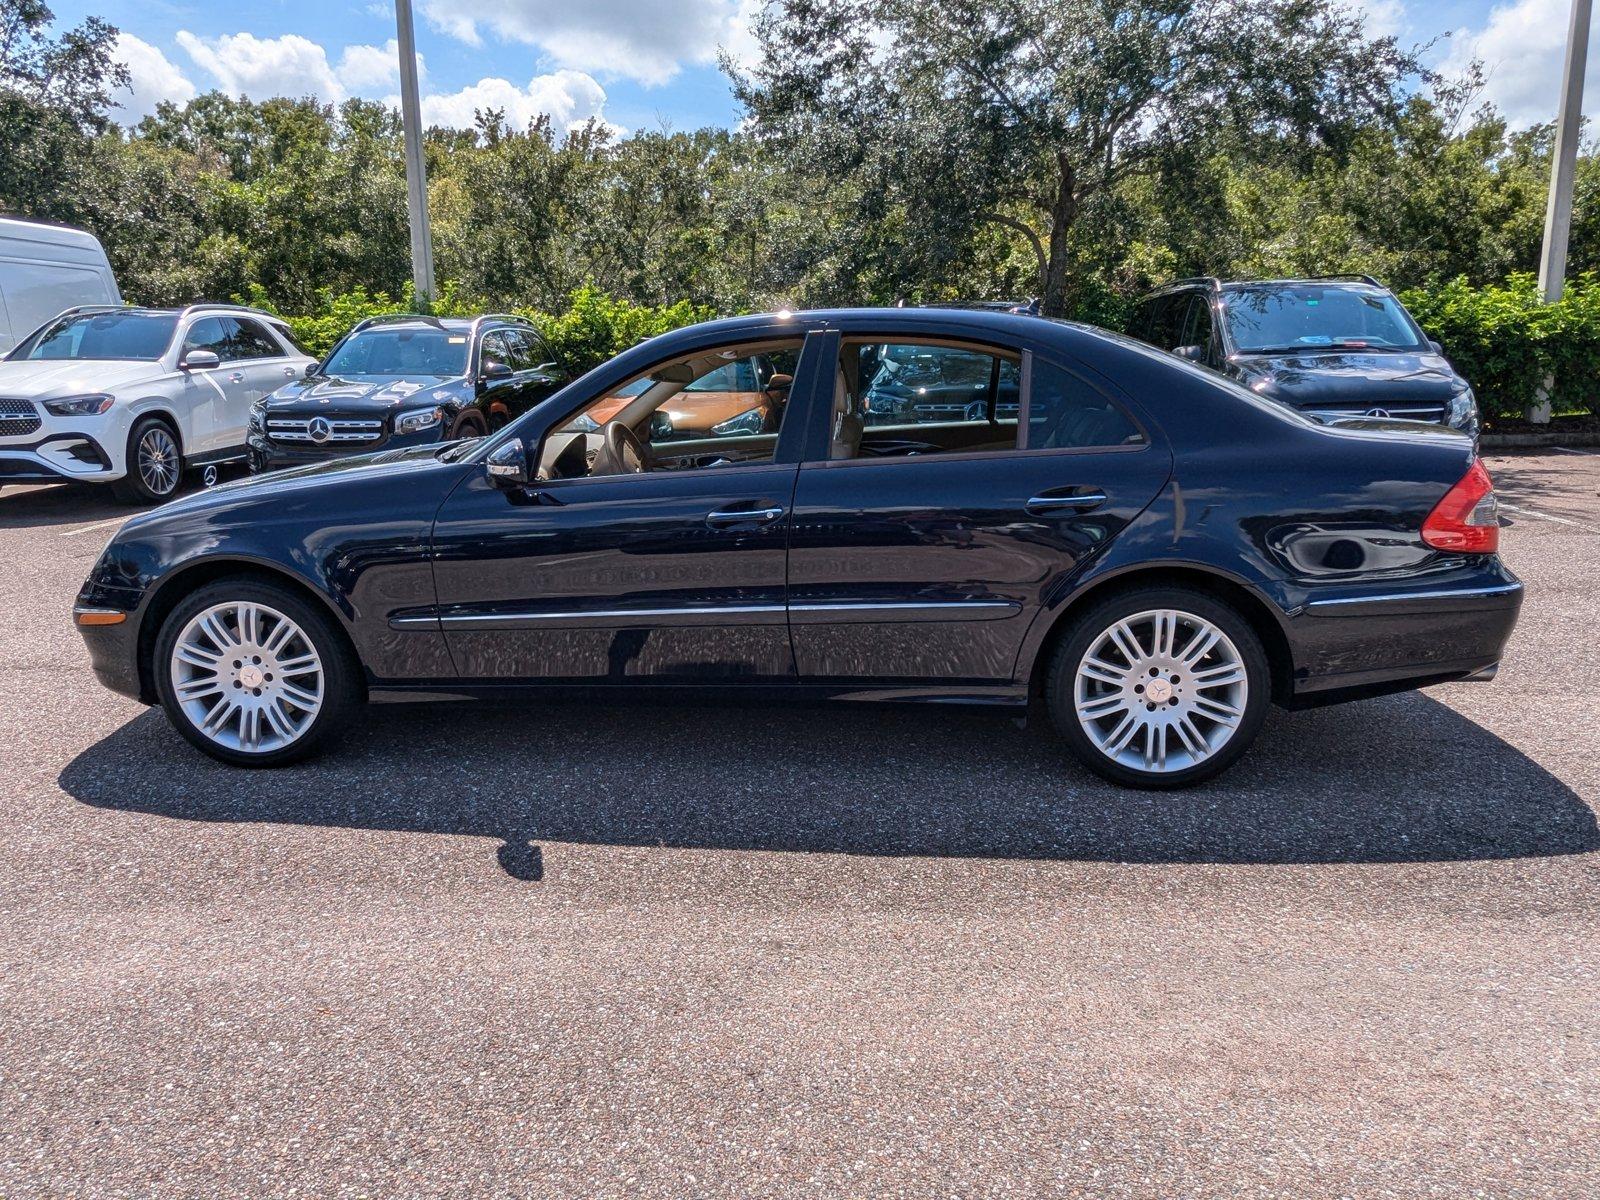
(258, 416)
(752, 420)
(80, 406)
(416, 422)
(1463, 410)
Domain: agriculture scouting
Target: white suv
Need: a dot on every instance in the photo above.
(134, 396)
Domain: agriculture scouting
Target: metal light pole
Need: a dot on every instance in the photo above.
(416, 171)
(1564, 165)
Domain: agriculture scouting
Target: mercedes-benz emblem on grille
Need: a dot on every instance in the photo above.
(1371, 412)
(318, 429)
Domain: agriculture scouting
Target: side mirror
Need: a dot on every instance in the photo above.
(660, 426)
(1194, 354)
(199, 360)
(1437, 349)
(313, 370)
(493, 370)
(508, 465)
(780, 383)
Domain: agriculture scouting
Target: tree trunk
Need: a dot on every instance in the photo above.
(1058, 270)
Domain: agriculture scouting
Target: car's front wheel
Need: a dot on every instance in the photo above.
(253, 674)
(154, 463)
(1159, 687)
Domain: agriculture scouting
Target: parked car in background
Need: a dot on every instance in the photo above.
(1149, 551)
(46, 269)
(742, 396)
(133, 397)
(1335, 347)
(405, 380)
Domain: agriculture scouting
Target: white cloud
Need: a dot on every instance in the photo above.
(245, 65)
(365, 68)
(1522, 46)
(646, 40)
(152, 78)
(568, 97)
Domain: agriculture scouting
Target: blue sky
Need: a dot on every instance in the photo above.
(637, 63)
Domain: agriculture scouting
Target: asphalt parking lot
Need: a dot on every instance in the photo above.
(642, 952)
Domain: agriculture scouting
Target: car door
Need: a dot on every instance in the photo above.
(539, 373)
(255, 365)
(922, 550)
(674, 574)
(208, 395)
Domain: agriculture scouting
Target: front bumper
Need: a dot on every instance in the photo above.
(113, 648)
(1352, 642)
(60, 456)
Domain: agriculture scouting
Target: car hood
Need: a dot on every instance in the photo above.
(347, 393)
(257, 493)
(1320, 377)
(45, 377)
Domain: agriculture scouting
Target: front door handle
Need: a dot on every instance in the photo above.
(1080, 501)
(745, 516)
(290, 372)
(236, 377)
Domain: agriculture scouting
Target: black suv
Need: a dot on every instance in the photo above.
(1336, 347)
(405, 380)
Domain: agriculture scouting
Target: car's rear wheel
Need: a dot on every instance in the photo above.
(1159, 687)
(254, 675)
(154, 463)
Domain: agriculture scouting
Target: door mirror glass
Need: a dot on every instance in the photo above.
(493, 369)
(200, 360)
(780, 384)
(508, 465)
(313, 370)
(660, 426)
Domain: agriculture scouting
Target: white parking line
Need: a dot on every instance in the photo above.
(1564, 450)
(1539, 516)
(92, 528)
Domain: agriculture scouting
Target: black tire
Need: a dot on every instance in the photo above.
(341, 686)
(469, 424)
(133, 488)
(1087, 630)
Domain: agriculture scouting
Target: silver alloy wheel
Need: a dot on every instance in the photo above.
(1160, 691)
(158, 460)
(247, 677)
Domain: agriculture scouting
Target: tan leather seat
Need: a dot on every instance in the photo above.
(847, 423)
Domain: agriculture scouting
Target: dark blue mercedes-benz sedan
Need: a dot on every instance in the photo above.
(1142, 547)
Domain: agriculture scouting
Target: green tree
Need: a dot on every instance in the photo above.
(932, 121)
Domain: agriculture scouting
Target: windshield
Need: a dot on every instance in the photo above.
(105, 335)
(1306, 316)
(410, 351)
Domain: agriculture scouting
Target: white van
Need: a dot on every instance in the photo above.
(45, 270)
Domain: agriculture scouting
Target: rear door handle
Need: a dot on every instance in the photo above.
(1081, 501)
(745, 516)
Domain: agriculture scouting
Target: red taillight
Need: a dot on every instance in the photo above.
(1466, 520)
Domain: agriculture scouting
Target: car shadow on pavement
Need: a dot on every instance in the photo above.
(1397, 779)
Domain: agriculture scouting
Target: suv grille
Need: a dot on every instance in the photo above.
(324, 431)
(18, 418)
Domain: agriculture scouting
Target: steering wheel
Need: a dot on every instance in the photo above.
(622, 454)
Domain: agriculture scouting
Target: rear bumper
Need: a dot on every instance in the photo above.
(1349, 643)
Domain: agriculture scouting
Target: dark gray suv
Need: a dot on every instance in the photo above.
(1336, 347)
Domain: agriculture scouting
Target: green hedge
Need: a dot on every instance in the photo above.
(592, 328)
(1506, 341)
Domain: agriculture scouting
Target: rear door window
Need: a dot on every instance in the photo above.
(1066, 413)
